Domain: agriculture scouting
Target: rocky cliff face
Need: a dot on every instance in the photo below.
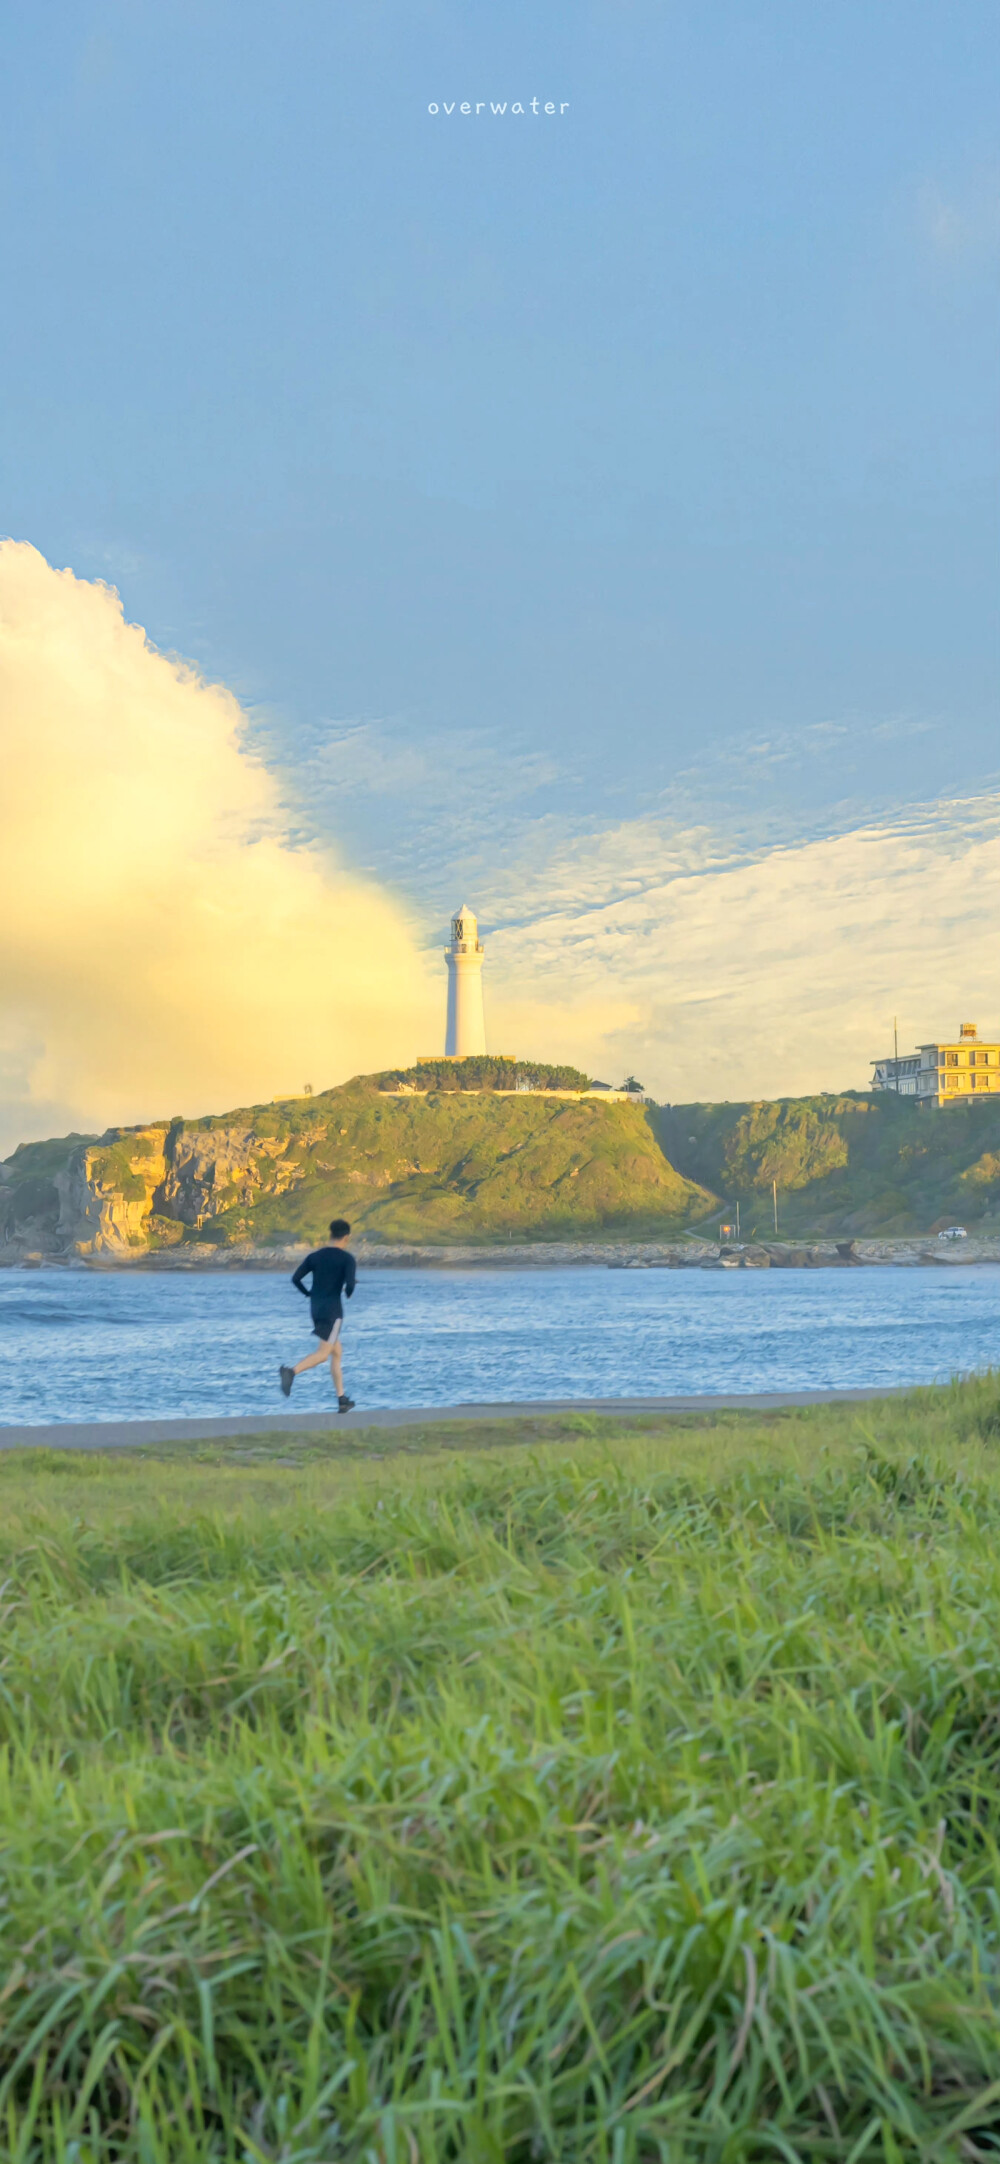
(135, 1190)
(105, 1193)
(439, 1167)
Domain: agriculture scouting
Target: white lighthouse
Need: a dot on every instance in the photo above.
(466, 1029)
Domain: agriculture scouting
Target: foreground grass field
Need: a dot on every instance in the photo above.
(633, 1796)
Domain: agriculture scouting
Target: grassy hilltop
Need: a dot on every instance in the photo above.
(628, 1797)
(452, 1167)
(435, 1156)
(445, 1166)
(854, 1163)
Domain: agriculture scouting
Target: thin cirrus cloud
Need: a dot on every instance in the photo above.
(723, 974)
(164, 945)
(435, 803)
(961, 219)
(442, 812)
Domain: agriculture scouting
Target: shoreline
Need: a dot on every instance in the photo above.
(134, 1434)
(826, 1251)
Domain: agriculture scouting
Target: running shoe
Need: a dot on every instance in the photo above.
(287, 1378)
(345, 1405)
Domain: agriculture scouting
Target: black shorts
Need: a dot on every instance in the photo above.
(327, 1326)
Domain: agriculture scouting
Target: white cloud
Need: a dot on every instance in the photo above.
(163, 944)
(757, 975)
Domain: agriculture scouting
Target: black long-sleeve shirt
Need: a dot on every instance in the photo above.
(333, 1272)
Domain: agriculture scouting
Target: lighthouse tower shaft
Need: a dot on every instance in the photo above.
(466, 1028)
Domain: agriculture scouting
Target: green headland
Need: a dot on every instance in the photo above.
(447, 1154)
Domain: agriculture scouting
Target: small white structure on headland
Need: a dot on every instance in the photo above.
(466, 1027)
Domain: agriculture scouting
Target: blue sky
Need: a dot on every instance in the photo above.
(525, 477)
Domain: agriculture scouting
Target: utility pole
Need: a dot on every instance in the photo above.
(895, 1053)
(774, 1191)
(737, 1221)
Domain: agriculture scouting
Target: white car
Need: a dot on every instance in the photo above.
(954, 1232)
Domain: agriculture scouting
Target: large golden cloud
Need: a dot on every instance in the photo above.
(164, 946)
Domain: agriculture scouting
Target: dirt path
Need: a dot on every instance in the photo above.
(129, 1434)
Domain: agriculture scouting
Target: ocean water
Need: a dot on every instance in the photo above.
(102, 1345)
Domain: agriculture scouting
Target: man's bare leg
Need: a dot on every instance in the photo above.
(327, 1349)
(313, 1359)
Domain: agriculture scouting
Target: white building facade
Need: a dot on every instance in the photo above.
(898, 1074)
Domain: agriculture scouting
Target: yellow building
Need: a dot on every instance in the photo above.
(944, 1074)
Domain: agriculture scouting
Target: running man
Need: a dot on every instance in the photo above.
(333, 1272)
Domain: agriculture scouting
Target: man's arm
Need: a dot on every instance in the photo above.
(303, 1271)
(350, 1278)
